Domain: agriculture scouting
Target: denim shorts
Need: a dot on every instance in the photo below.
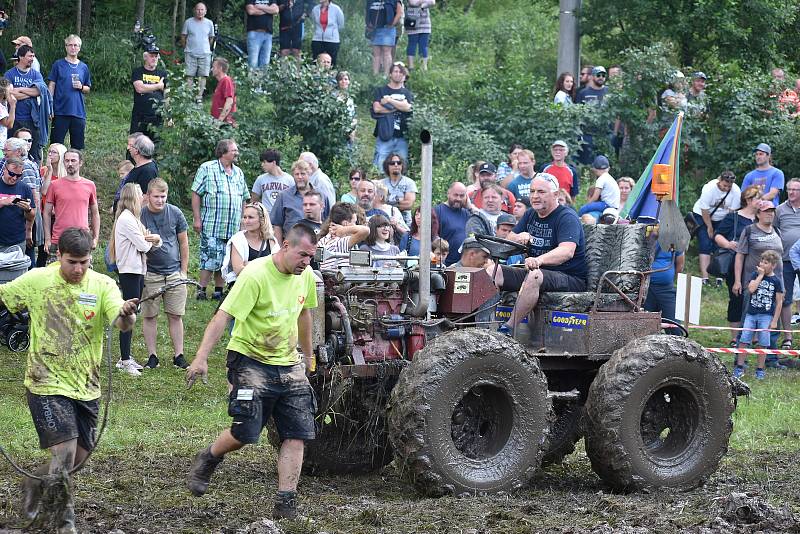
(751, 322)
(260, 391)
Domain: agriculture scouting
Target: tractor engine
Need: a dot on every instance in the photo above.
(366, 318)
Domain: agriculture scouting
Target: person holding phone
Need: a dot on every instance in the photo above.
(16, 207)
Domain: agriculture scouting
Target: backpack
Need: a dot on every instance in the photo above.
(379, 13)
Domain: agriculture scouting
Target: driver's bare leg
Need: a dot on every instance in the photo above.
(527, 298)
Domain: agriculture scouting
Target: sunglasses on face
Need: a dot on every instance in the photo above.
(29, 141)
(356, 178)
(395, 162)
(601, 75)
(14, 174)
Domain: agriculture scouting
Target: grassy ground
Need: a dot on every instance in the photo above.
(135, 480)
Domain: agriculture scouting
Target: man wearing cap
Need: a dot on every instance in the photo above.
(149, 86)
(476, 256)
(769, 179)
(505, 224)
(69, 82)
(718, 198)
(25, 40)
(697, 91)
(453, 216)
(520, 186)
(487, 175)
(567, 175)
(556, 247)
(606, 191)
(594, 93)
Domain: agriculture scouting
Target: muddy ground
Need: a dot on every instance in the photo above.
(145, 494)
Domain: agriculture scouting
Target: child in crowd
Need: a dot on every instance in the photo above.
(605, 195)
(439, 250)
(123, 169)
(379, 241)
(763, 309)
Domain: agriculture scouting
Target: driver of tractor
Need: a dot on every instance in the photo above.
(556, 246)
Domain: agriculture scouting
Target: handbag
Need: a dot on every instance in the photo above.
(410, 23)
(722, 258)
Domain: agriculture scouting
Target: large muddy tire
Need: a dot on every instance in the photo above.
(565, 432)
(470, 415)
(350, 425)
(659, 414)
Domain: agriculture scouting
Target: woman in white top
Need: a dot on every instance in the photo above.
(255, 241)
(130, 242)
(565, 89)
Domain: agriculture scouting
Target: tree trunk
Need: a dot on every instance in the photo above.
(469, 6)
(19, 18)
(140, 10)
(86, 17)
(175, 20)
(78, 17)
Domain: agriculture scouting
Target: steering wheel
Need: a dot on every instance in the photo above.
(491, 242)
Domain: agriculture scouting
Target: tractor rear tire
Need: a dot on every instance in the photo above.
(659, 414)
(565, 432)
(470, 415)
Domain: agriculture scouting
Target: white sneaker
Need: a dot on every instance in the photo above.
(128, 366)
(795, 319)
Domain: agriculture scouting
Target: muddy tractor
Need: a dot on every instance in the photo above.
(407, 372)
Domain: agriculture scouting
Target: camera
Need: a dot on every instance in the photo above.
(143, 38)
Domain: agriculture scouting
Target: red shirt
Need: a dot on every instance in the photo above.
(71, 200)
(563, 175)
(225, 89)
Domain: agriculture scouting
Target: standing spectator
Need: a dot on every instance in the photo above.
(520, 207)
(25, 40)
(419, 35)
(586, 75)
(328, 21)
(258, 24)
(141, 149)
(593, 93)
(520, 186)
(473, 178)
(288, 208)
(453, 216)
(355, 177)
(219, 192)
(72, 199)
(768, 178)
(17, 207)
(626, 185)
(53, 168)
(272, 308)
(343, 93)
(31, 175)
(165, 264)
(411, 240)
(269, 185)
(606, 191)
(697, 91)
(505, 225)
(149, 86)
(341, 233)
(484, 220)
(508, 169)
(382, 18)
(8, 109)
(28, 86)
(130, 241)
(674, 97)
(567, 175)
(487, 177)
(255, 240)
(402, 189)
(223, 103)
(312, 210)
(292, 18)
(787, 221)
(718, 198)
(728, 231)
(318, 179)
(196, 38)
(391, 109)
(564, 92)
(379, 194)
(69, 82)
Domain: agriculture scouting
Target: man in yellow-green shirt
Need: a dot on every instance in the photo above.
(271, 302)
(69, 306)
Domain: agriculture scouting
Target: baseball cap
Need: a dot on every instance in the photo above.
(609, 216)
(599, 69)
(764, 205)
(559, 142)
(763, 147)
(506, 218)
(699, 74)
(471, 242)
(487, 167)
(153, 49)
(600, 162)
(23, 40)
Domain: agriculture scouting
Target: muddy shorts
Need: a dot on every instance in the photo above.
(513, 277)
(260, 391)
(58, 419)
(212, 252)
(174, 299)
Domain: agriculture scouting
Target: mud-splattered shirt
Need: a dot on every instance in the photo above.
(266, 304)
(66, 329)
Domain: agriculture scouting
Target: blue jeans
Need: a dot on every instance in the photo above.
(762, 320)
(661, 297)
(384, 148)
(418, 40)
(259, 48)
(593, 206)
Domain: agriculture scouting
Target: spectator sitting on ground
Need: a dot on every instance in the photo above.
(564, 198)
(520, 207)
(411, 239)
(341, 233)
(505, 224)
(379, 241)
(605, 195)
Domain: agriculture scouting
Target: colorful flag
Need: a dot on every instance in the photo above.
(641, 202)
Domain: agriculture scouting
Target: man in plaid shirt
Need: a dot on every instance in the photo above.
(219, 192)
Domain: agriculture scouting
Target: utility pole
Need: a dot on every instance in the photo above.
(569, 37)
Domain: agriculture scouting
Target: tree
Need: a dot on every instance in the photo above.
(20, 16)
(140, 10)
(700, 32)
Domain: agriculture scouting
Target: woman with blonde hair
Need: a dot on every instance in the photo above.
(255, 241)
(52, 169)
(130, 242)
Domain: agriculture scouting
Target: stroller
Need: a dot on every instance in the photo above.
(14, 330)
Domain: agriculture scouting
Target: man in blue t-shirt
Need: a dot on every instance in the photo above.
(453, 216)
(556, 246)
(69, 81)
(25, 80)
(769, 179)
(593, 94)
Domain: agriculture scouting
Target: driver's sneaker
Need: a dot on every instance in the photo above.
(285, 506)
(505, 329)
(738, 371)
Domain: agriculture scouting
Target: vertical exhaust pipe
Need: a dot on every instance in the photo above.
(426, 207)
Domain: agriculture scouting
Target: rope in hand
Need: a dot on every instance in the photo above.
(103, 423)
